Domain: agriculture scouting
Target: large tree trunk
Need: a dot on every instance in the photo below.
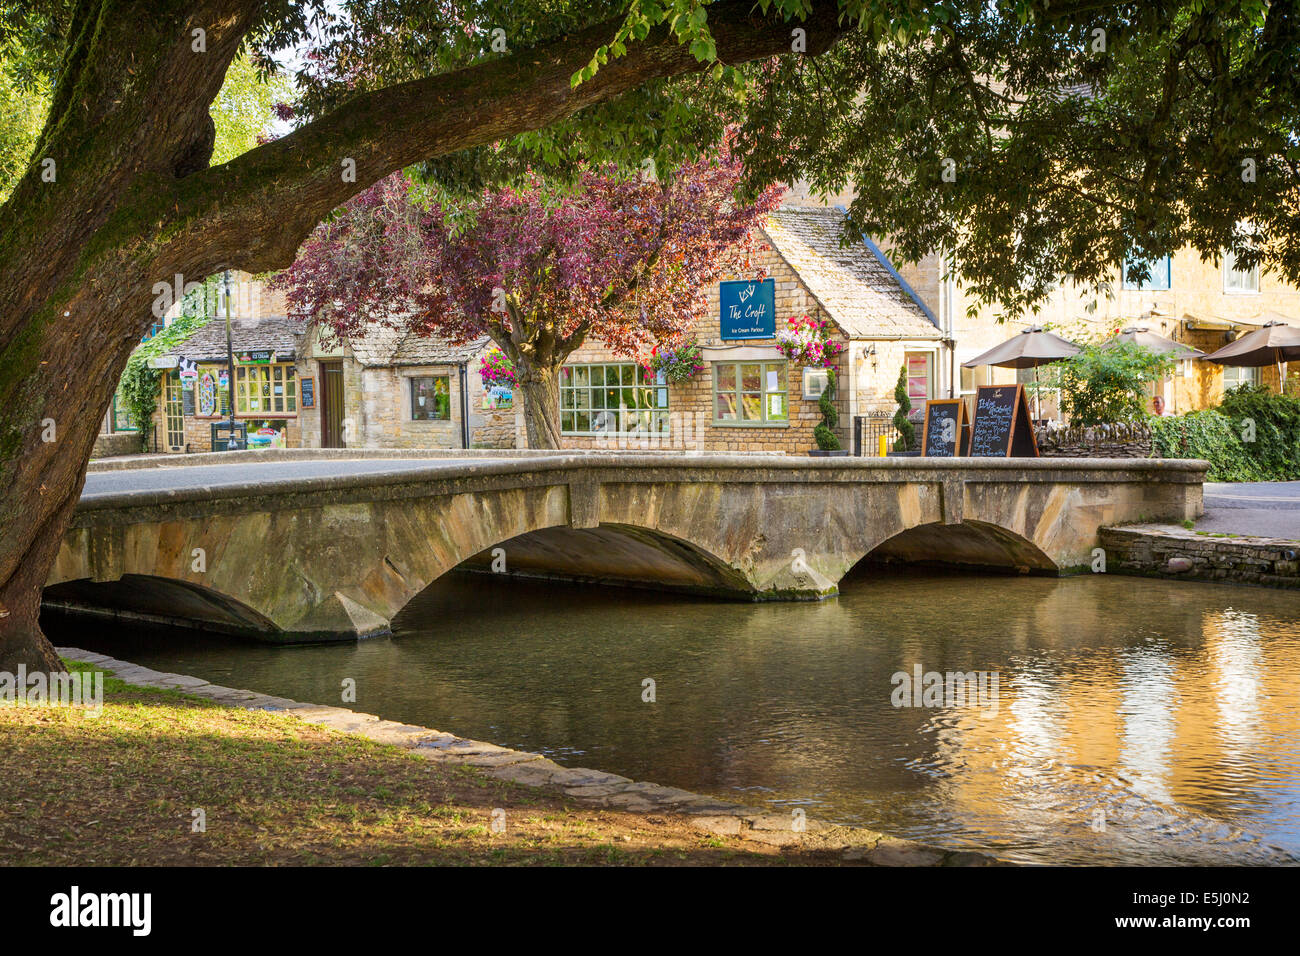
(134, 203)
(541, 388)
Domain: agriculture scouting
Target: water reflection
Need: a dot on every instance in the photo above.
(1137, 722)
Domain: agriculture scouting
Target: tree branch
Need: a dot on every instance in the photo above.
(257, 208)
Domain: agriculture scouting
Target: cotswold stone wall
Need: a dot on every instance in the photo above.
(118, 443)
(488, 427)
(1095, 441)
(385, 409)
(1171, 553)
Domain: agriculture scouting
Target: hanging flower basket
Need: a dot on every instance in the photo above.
(675, 365)
(496, 370)
(808, 342)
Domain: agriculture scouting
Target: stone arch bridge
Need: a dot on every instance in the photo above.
(337, 556)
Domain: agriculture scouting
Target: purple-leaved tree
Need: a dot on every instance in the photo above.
(620, 259)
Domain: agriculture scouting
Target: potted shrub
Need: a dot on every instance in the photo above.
(906, 430)
(828, 446)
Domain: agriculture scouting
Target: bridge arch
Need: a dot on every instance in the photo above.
(608, 554)
(972, 543)
(158, 600)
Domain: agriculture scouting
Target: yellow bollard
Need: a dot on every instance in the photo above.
(883, 441)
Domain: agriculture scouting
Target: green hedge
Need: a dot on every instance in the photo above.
(1222, 436)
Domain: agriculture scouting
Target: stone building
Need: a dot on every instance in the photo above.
(384, 390)
(1202, 303)
(387, 389)
(749, 397)
(194, 399)
(398, 390)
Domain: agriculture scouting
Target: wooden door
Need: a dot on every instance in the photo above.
(331, 405)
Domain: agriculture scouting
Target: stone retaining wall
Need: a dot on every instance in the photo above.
(1174, 553)
(588, 786)
(1095, 441)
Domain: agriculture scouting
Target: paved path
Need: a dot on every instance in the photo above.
(1269, 509)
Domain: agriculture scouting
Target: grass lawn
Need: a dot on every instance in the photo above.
(121, 789)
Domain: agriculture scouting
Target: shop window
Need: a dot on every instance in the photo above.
(431, 398)
(1239, 280)
(1160, 279)
(265, 390)
(1044, 402)
(120, 417)
(750, 393)
(608, 399)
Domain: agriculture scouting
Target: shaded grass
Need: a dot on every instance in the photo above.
(121, 789)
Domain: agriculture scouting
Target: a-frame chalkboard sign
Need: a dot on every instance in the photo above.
(1002, 427)
(944, 435)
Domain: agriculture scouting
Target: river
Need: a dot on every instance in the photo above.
(1134, 721)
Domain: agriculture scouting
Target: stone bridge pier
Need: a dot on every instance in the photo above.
(338, 558)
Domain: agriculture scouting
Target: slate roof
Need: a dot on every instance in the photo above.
(384, 346)
(853, 284)
(277, 332)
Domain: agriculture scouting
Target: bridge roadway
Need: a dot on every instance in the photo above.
(294, 546)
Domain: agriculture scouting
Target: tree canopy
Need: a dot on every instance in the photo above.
(1035, 141)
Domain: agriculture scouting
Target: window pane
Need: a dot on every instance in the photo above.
(724, 378)
(566, 375)
(598, 375)
(430, 398)
(582, 422)
(566, 398)
(597, 398)
(628, 397)
(776, 407)
(725, 407)
(581, 375)
(582, 398)
(566, 421)
(751, 378)
(751, 405)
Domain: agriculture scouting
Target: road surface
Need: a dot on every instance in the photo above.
(268, 472)
(1269, 509)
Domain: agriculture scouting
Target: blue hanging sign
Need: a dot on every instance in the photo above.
(747, 309)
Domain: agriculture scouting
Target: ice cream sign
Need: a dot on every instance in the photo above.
(747, 309)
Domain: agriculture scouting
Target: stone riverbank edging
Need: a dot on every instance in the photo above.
(594, 787)
(1171, 552)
